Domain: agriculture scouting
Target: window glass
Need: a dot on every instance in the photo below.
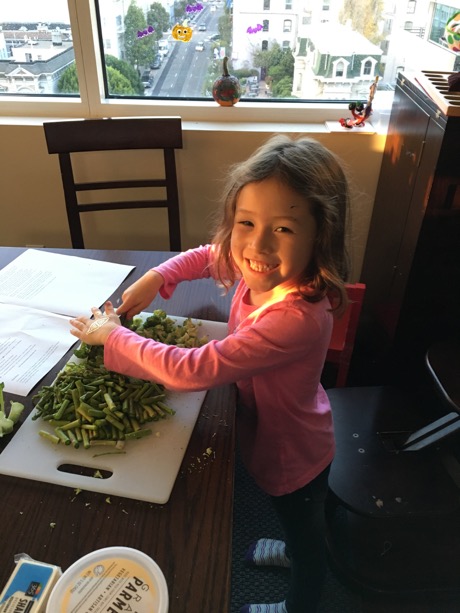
(36, 49)
(296, 50)
(302, 49)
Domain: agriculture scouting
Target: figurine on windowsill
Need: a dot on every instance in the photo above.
(360, 111)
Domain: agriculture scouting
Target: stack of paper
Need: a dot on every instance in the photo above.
(39, 292)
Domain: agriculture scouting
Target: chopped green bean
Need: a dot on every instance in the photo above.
(138, 434)
(88, 404)
(62, 436)
(50, 437)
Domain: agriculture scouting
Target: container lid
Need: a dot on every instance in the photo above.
(111, 579)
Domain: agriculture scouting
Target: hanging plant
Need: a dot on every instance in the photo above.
(226, 89)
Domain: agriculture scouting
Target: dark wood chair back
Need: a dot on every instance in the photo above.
(65, 138)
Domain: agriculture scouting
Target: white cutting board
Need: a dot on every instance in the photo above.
(148, 469)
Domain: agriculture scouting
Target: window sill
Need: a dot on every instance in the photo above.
(204, 115)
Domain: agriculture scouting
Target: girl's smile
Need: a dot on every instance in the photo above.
(272, 238)
(260, 266)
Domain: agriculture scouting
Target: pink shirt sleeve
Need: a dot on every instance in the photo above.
(186, 266)
(282, 335)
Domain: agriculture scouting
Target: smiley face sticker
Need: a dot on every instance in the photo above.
(182, 33)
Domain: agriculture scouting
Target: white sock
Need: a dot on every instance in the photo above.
(268, 552)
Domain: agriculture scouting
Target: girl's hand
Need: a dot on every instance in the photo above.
(140, 294)
(95, 331)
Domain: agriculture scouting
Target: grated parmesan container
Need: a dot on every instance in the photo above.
(111, 579)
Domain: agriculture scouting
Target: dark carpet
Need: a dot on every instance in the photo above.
(255, 518)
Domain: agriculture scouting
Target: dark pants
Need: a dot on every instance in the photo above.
(301, 515)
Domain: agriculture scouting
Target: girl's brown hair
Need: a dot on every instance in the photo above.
(315, 173)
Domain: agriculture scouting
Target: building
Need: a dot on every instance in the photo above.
(334, 62)
(414, 37)
(255, 30)
(35, 60)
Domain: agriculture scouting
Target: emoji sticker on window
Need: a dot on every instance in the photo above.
(181, 32)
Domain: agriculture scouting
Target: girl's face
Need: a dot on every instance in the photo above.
(272, 238)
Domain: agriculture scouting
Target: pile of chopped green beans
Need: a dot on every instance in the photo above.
(88, 405)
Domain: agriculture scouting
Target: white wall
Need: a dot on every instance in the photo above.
(32, 203)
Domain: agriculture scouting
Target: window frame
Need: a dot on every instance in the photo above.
(91, 103)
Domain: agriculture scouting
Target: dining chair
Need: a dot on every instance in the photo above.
(69, 139)
(344, 333)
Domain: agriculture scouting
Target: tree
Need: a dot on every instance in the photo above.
(282, 88)
(139, 51)
(68, 81)
(278, 64)
(225, 27)
(158, 17)
(127, 71)
(365, 16)
(118, 83)
(179, 10)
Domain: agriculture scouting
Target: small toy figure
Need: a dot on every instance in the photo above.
(360, 111)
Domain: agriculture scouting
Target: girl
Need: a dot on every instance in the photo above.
(281, 238)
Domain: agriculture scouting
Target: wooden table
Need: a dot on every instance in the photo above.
(190, 536)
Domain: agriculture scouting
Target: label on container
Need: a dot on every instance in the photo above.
(110, 585)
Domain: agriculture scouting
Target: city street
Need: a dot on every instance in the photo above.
(184, 70)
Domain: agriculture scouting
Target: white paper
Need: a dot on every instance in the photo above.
(64, 284)
(31, 342)
(39, 292)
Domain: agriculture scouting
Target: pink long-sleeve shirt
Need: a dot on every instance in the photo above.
(274, 354)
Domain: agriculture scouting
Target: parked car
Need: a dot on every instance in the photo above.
(156, 62)
(199, 47)
(202, 27)
(147, 78)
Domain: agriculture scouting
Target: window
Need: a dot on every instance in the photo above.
(367, 67)
(86, 57)
(36, 49)
(441, 14)
(411, 5)
(339, 68)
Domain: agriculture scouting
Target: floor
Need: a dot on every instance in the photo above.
(254, 518)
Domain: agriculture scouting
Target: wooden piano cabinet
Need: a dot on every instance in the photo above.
(412, 261)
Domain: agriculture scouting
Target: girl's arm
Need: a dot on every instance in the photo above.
(187, 266)
(140, 294)
(279, 339)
